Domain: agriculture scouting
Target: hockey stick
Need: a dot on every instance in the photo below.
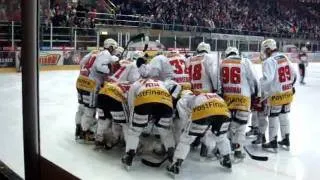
(149, 162)
(137, 37)
(153, 162)
(254, 157)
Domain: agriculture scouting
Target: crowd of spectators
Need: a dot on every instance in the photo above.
(272, 16)
(69, 15)
(10, 10)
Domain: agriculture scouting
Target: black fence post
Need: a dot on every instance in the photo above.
(30, 94)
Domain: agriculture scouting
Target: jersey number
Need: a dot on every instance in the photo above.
(178, 66)
(195, 71)
(284, 74)
(119, 72)
(231, 75)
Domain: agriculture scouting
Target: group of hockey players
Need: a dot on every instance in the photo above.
(189, 102)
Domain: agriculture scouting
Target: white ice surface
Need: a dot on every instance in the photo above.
(58, 103)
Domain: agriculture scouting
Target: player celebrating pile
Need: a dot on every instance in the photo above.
(206, 113)
(239, 84)
(91, 84)
(277, 87)
(148, 97)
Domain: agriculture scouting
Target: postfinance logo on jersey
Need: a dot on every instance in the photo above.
(153, 95)
(86, 84)
(281, 98)
(237, 102)
(114, 91)
(210, 108)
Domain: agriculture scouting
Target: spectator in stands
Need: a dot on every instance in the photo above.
(3, 9)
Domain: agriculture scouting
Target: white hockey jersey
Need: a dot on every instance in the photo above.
(203, 70)
(180, 73)
(197, 107)
(278, 78)
(100, 68)
(239, 82)
(160, 68)
(87, 61)
(128, 72)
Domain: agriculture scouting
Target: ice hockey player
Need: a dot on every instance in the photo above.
(257, 113)
(203, 70)
(112, 102)
(85, 65)
(98, 73)
(260, 118)
(303, 63)
(277, 87)
(128, 71)
(149, 97)
(239, 83)
(160, 68)
(206, 113)
(181, 76)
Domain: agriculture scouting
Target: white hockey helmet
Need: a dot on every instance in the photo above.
(110, 43)
(137, 54)
(230, 50)
(304, 49)
(118, 51)
(186, 92)
(203, 47)
(268, 44)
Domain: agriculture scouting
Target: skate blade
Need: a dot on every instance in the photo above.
(126, 167)
(80, 141)
(284, 147)
(271, 150)
(98, 148)
(88, 142)
(226, 169)
(172, 175)
(237, 160)
(213, 158)
(202, 159)
(251, 136)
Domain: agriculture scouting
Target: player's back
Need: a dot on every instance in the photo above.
(235, 76)
(87, 62)
(201, 70)
(151, 91)
(208, 104)
(285, 73)
(181, 76)
(128, 72)
(161, 68)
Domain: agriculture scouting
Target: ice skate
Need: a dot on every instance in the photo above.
(226, 162)
(238, 156)
(128, 159)
(285, 143)
(261, 139)
(254, 131)
(174, 168)
(78, 133)
(272, 146)
(203, 152)
(195, 144)
(89, 137)
(98, 145)
(111, 143)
